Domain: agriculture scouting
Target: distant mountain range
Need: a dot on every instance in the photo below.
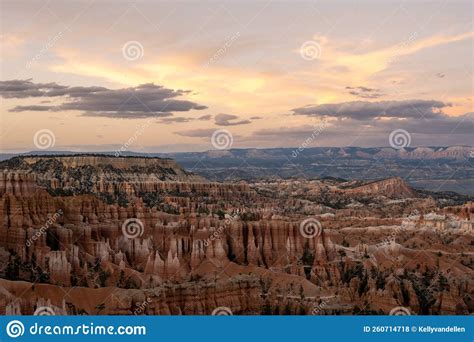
(431, 168)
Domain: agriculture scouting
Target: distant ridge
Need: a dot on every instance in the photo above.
(431, 152)
(435, 168)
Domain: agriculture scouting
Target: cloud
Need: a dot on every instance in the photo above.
(452, 125)
(229, 120)
(365, 64)
(178, 119)
(33, 108)
(206, 117)
(182, 119)
(362, 110)
(145, 100)
(21, 89)
(365, 92)
(448, 130)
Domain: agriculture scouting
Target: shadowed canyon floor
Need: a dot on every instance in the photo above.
(96, 234)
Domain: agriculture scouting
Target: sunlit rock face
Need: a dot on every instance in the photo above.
(92, 234)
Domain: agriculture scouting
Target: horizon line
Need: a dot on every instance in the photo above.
(229, 149)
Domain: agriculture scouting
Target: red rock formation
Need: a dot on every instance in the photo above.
(392, 187)
(204, 245)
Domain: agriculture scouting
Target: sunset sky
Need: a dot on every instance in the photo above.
(165, 75)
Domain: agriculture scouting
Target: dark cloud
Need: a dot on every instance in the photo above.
(363, 110)
(21, 89)
(125, 115)
(441, 130)
(453, 125)
(145, 100)
(26, 88)
(182, 119)
(178, 119)
(229, 120)
(365, 92)
(206, 117)
(33, 108)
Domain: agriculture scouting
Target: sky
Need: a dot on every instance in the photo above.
(169, 76)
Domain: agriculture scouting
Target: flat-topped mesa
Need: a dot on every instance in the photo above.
(117, 179)
(104, 160)
(101, 174)
(161, 168)
(394, 187)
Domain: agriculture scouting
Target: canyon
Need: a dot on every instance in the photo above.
(95, 234)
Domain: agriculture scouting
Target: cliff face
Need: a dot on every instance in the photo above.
(189, 246)
(113, 179)
(82, 241)
(98, 173)
(392, 187)
(104, 161)
(242, 294)
(40, 224)
(17, 184)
